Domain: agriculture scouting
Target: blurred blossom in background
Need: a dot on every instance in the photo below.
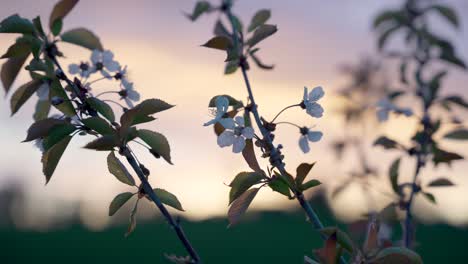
(162, 51)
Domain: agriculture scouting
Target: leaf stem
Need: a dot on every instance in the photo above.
(284, 109)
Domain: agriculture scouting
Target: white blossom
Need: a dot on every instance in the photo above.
(222, 105)
(236, 135)
(129, 95)
(103, 61)
(43, 91)
(385, 106)
(310, 101)
(83, 69)
(306, 136)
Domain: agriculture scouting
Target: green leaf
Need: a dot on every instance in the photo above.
(396, 17)
(99, 125)
(103, 143)
(51, 157)
(117, 169)
(56, 90)
(259, 18)
(60, 11)
(57, 27)
(459, 134)
(82, 37)
(310, 184)
(384, 36)
(430, 197)
(41, 128)
(242, 182)
(442, 156)
(261, 33)
(38, 26)
(260, 64)
(232, 101)
(37, 65)
(341, 237)
(442, 182)
(141, 112)
(10, 70)
(132, 225)
(278, 184)
(42, 110)
(16, 24)
(308, 260)
(452, 58)
(101, 107)
(200, 8)
(455, 99)
(237, 24)
(157, 142)
(19, 49)
(393, 175)
(448, 13)
(240, 206)
(219, 42)
(399, 255)
(302, 171)
(386, 143)
(22, 94)
(434, 84)
(231, 67)
(168, 198)
(56, 134)
(220, 30)
(119, 201)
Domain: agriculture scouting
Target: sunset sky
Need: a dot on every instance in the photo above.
(162, 50)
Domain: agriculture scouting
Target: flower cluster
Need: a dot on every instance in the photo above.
(234, 131)
(103, 62)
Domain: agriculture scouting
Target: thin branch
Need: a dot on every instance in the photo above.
(275, 156)
(147, 188)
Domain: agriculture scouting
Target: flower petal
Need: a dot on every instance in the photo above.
(316, 94)
(305, 94)
(133, 95)
(304, 144)
(112, 66)
(106, 74)
(222, 104)
(240, 121)
(239, 145)
(314, 109)
(226, 138)
(73, 68)
(96, 56)
(314, 136)
(248, 132)
(227, 123)
(129, 102)
(107, 56)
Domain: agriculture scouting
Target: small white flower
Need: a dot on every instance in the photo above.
(122, 76)
(236, 136)
(43, 91)
(83, 69)
(222, 105)
(306, 136)
(103, 61)
(385, 106)
(129, 95)
(310, 101)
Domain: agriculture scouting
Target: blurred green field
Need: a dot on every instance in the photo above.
(267, 237)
